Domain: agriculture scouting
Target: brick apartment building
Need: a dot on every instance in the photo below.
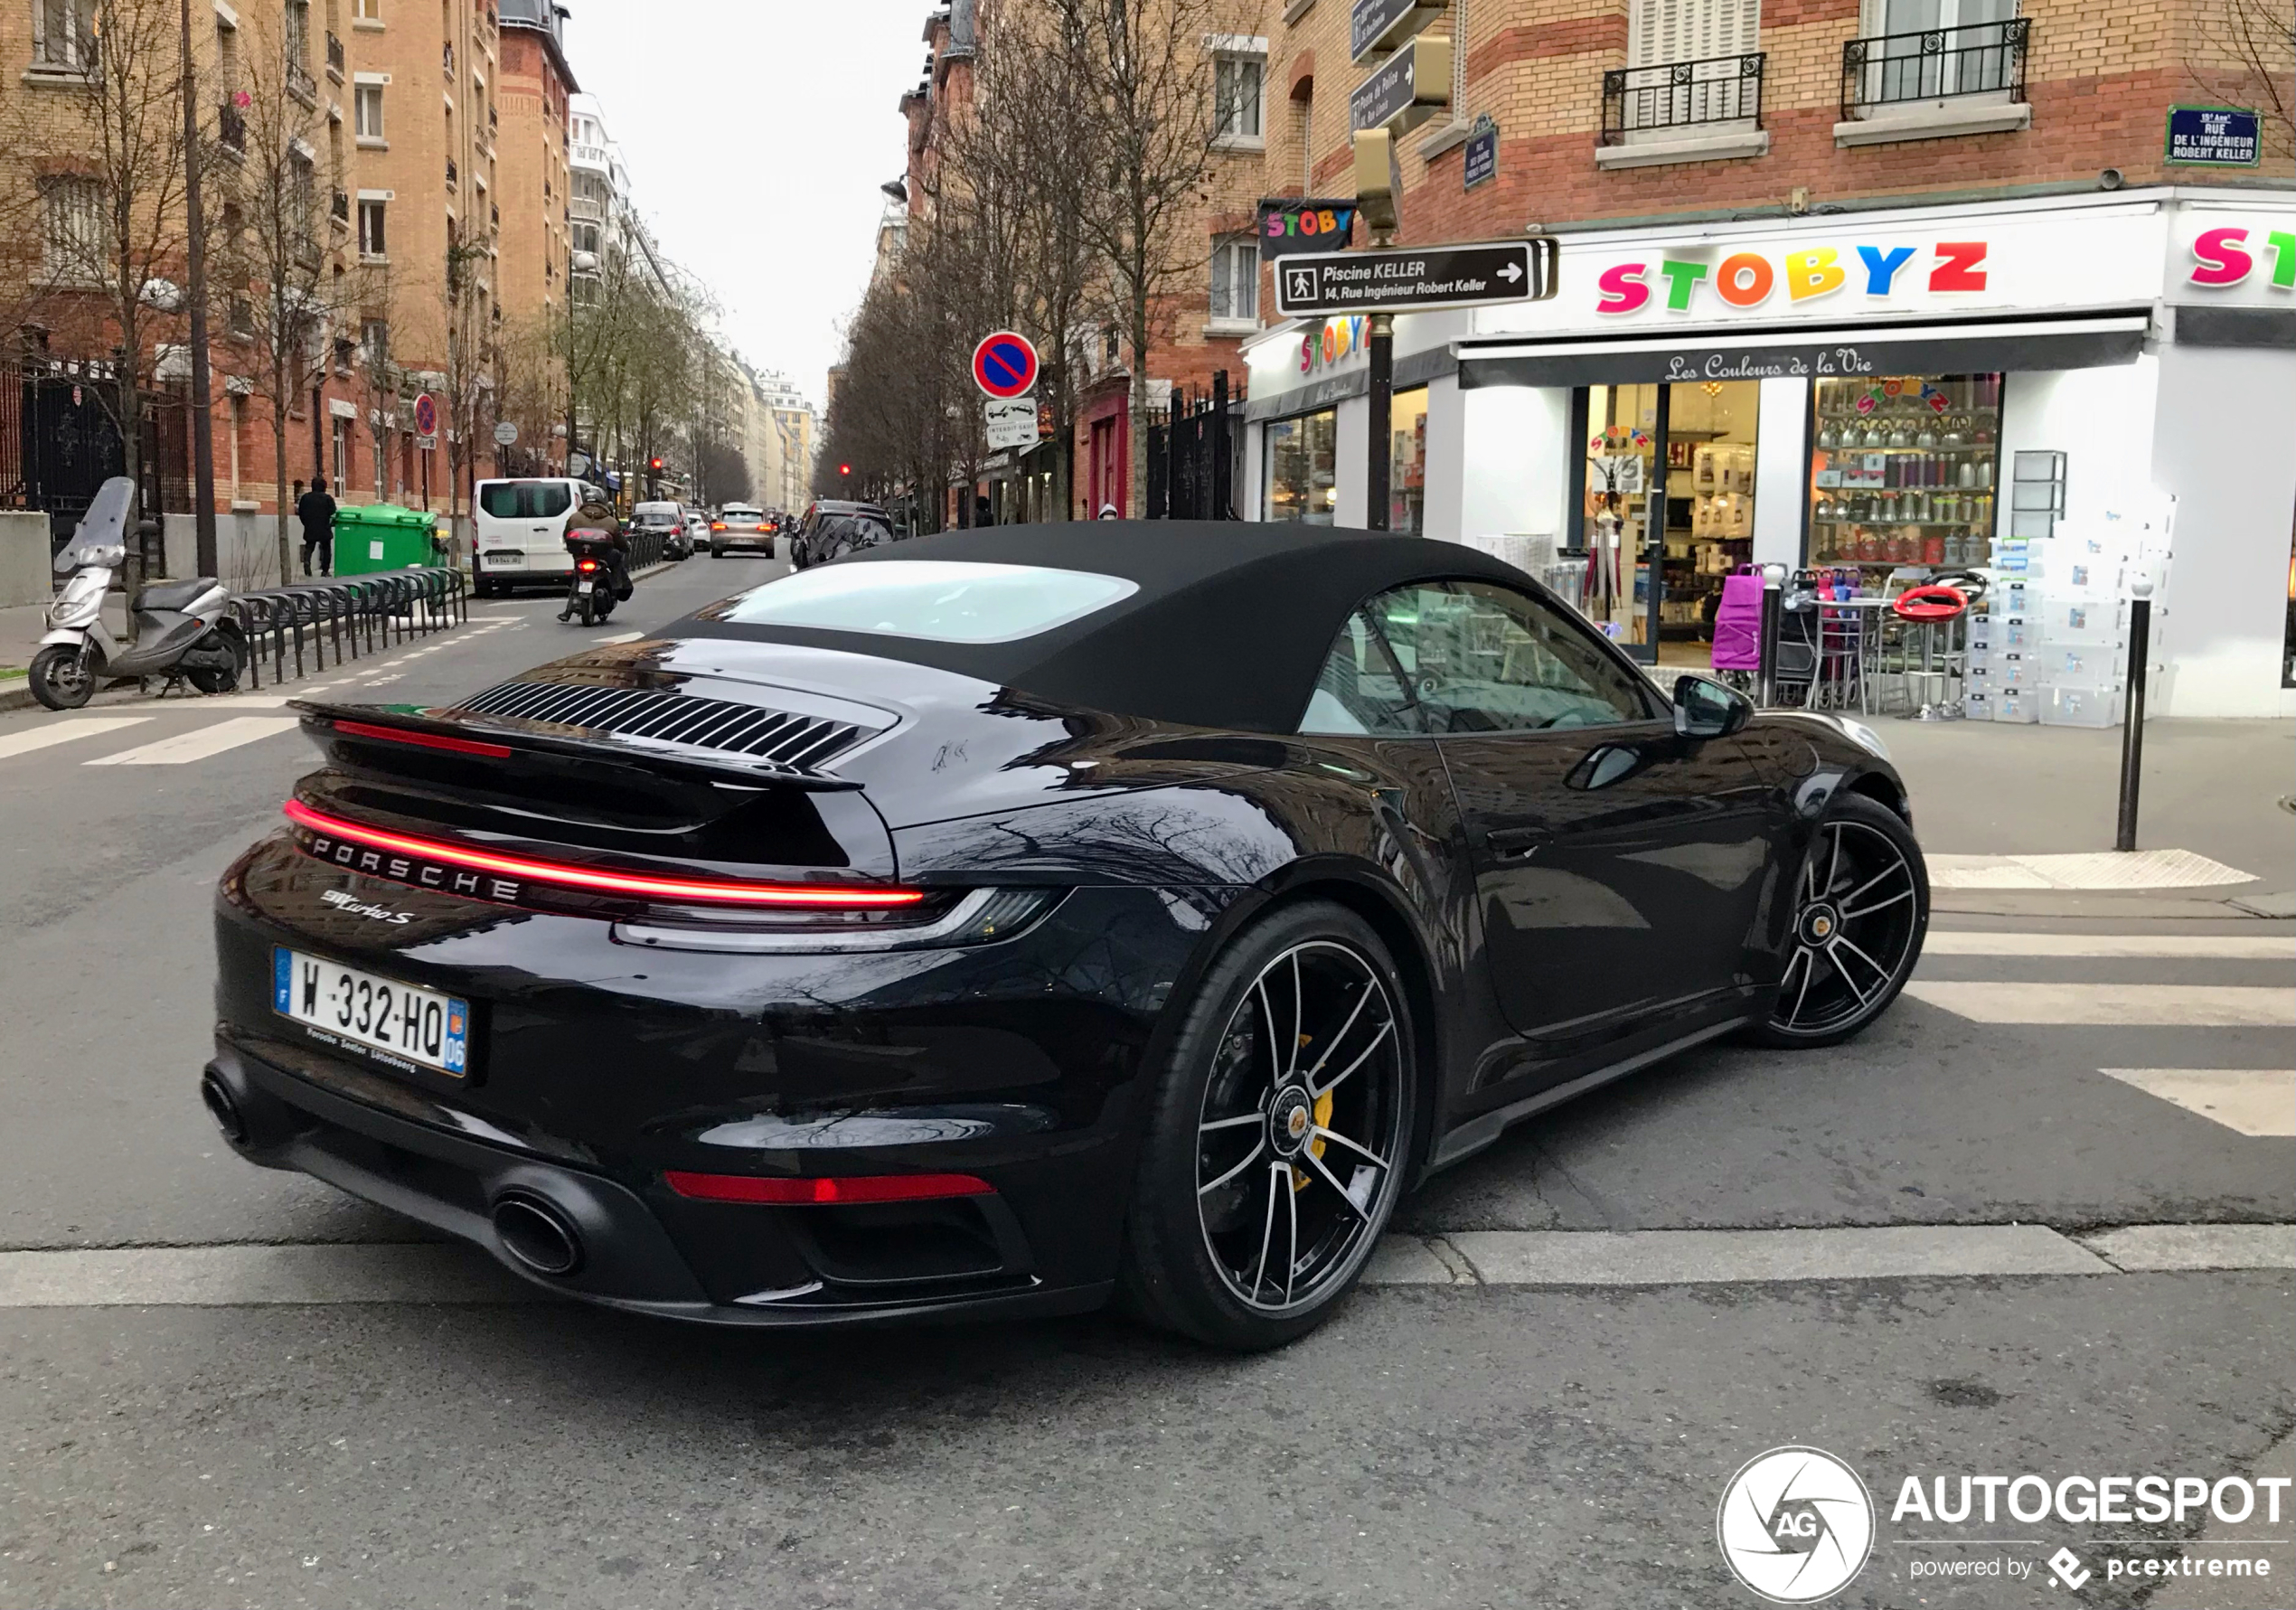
(432, 139)
(1793, 228)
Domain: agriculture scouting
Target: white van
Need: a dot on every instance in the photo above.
(521, 531)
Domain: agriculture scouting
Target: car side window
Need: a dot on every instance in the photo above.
(1485, 658)
(1357, 691)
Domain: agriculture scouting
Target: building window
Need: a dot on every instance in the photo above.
(1237, 82)
(367, 11)
(371, 238)
(1236, 281)
(366, 100)
(75, 242)
(65, 35)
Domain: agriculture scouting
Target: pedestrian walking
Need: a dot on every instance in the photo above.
(315, 509)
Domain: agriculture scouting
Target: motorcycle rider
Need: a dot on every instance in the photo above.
(598, 515)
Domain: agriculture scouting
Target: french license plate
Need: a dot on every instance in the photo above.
(396, 1021)
(505, 560)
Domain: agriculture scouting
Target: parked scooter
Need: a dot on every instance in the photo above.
(183, 629)
(596, 585)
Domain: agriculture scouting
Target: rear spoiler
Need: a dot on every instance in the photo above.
(500, 739)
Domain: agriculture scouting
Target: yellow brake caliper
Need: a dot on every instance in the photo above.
(1322, 1121)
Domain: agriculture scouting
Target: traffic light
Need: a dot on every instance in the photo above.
(654, 464)
(844, 469)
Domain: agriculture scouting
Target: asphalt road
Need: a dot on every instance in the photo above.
(1468, 1445)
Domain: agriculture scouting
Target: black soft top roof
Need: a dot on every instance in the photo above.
(1230, 629)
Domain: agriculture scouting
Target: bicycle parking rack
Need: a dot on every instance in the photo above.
(348, 615)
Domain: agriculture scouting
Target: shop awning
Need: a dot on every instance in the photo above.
(2020, 345)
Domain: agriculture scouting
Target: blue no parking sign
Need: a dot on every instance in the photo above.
(1004, 364)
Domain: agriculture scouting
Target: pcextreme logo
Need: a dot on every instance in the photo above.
(1795, 1524)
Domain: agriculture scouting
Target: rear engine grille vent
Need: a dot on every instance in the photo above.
(774, 736)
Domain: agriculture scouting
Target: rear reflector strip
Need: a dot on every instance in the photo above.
(800, 896)
(832, 1192)
(428, 741)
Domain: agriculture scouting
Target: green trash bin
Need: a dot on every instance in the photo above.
(370, 537)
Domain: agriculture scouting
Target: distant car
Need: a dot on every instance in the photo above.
(667, 521)
(697, 529)
(737, 526)
(832, 527)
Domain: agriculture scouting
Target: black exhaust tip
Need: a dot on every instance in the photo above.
(223, 1107)
(537, 1234)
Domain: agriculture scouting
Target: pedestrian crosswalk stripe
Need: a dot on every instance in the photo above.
(2260, 947)
(2128, 1005)
(48, 733)
(201, 743)
(2251, 1100)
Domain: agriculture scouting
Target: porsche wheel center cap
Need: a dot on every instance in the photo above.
(1819, 924)
(1289, 1120)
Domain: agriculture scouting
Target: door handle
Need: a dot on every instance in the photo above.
(1513, 843)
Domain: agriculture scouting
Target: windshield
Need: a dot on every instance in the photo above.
(937, 601)
(105, 525)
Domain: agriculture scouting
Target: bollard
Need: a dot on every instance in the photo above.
(1773, 598)
(2132, 718)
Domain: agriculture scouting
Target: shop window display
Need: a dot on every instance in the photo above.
(1902, 470)
(1303, 458)
(1408, 464)
(1709, 501)
(1622, 446)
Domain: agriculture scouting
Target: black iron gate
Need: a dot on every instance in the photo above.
(67, 444)
(1193, 457)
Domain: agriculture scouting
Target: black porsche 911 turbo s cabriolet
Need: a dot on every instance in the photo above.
(1002, 921)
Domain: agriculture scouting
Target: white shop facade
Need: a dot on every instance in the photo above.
(1854, 393)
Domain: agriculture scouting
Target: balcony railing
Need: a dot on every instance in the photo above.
(334, 57)
(1893, 68)
(452, 175)
(449, 60)
(300, 84)
(339, 208)
(231, 128)
(1682, 95)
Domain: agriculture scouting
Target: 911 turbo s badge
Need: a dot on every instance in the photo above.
(351, 905)
(408, 869)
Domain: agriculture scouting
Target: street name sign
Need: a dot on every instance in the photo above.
(1481, 165)
(2216, 136)
(1412, 278)
(1378, 25)
(1004, 364)
(1412, 85)
(1011, 421)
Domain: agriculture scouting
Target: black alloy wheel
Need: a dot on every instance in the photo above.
(1861, 909)
(1278, 1144)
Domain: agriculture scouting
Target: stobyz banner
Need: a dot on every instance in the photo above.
(1302, 224)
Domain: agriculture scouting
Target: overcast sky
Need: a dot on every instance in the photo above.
(756, 133)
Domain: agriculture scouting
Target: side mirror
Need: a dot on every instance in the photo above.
(1704, 707)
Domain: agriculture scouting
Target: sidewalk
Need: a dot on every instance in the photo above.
(2213, 788)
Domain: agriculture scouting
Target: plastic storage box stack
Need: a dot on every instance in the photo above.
(2083, 630)
(2004, 659)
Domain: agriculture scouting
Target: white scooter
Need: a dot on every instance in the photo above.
(183, 629)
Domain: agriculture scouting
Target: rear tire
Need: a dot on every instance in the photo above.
(222, 681)
(589, 611)
(1266, 1142)
(1862, 911)
(60, 677)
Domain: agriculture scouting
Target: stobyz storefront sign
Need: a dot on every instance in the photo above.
(2216, 136)
(2019, 345)
(1406, 280)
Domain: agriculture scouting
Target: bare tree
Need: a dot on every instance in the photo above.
(113, 220)
(272, 244)
(2246, 49)
(1142, 73)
